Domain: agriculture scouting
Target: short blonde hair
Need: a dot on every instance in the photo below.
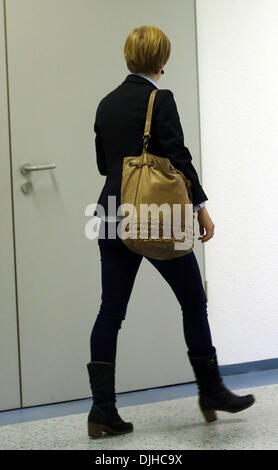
(146, 49)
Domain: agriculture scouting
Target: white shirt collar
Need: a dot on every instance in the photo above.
(148, 78)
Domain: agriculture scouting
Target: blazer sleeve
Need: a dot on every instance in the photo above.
(100, 157)
(169, 137)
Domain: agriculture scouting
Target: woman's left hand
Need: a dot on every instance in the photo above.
(205, 223)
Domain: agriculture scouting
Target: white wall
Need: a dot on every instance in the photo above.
(238, 77)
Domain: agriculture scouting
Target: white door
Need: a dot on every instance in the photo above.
(63, 57)
(9, 360)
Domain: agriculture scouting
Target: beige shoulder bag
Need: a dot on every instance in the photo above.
(161, 231)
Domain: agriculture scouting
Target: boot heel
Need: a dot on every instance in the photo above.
(95, 429)
(209, 415)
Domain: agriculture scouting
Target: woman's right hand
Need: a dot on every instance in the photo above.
(205, 223)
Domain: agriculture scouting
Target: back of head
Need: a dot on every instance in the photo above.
(146, 49)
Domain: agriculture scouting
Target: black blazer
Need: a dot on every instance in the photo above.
(119, 127)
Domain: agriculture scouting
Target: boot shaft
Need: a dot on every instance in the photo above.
(206, 371)
(102, 382)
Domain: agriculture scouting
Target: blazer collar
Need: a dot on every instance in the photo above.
(138, 79)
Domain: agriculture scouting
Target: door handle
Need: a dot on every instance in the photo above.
(26, 168)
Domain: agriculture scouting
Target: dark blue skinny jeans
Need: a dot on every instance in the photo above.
(119, 266)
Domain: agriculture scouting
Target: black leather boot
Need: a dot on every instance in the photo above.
(104, 416)
(213, 395)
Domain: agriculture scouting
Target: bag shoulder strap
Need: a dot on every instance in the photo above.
(149, 113)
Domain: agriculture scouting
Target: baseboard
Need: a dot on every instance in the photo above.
(245, 367)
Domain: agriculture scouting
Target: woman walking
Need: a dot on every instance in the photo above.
(119, 127)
